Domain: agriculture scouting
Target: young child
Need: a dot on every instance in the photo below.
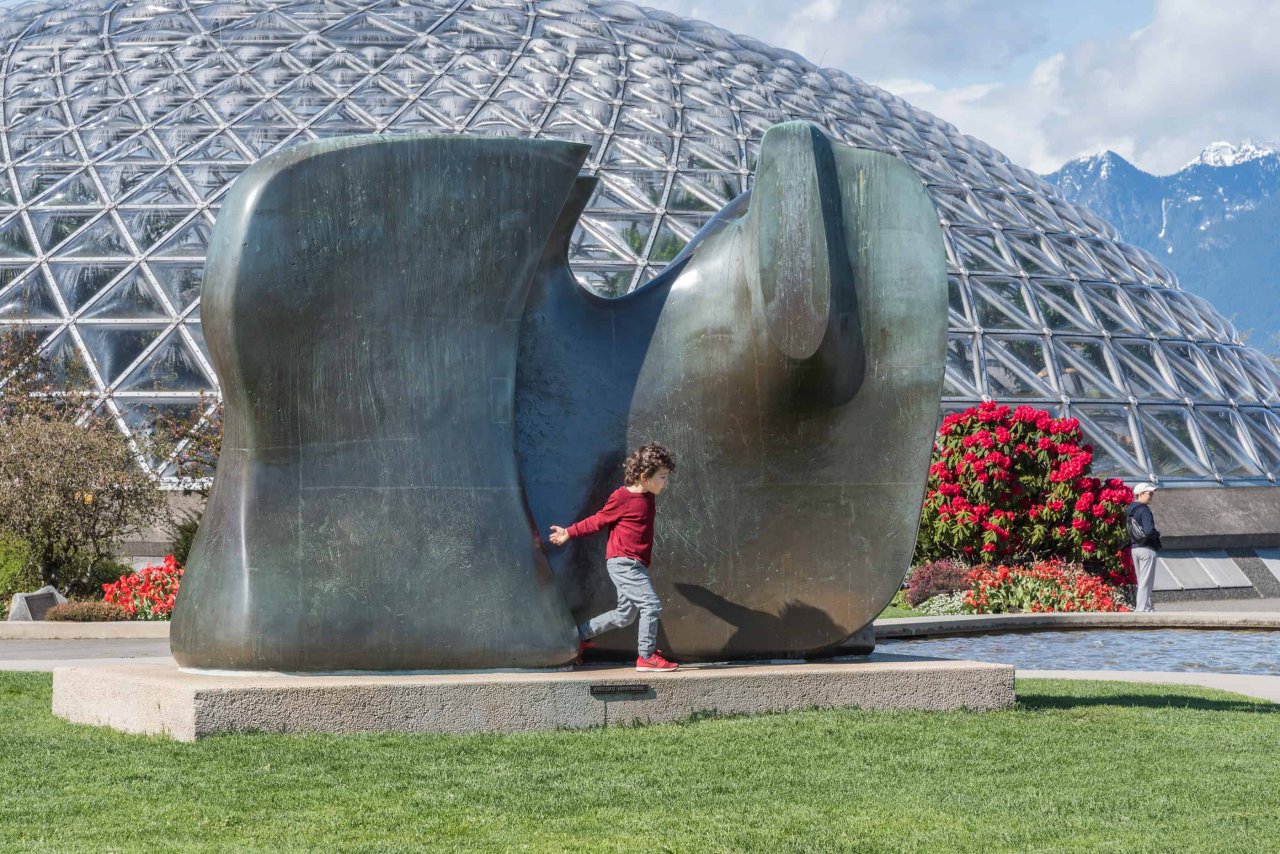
(629, 514)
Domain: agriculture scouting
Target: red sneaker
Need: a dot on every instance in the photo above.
(583, 646)
(656, 662)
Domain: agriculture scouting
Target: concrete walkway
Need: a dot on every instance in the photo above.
(1260, 687)
(44, 654)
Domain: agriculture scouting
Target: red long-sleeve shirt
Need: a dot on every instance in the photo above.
(629, 517)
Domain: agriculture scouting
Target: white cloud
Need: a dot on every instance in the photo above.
(1199, 72)
(879, 38)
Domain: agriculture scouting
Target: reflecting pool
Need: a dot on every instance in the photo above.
(1199, 650)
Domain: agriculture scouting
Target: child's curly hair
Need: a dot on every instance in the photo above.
(645, 461)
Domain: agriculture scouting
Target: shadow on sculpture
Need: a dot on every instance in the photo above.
(416, 385)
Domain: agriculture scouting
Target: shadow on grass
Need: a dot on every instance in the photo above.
(1047, 699)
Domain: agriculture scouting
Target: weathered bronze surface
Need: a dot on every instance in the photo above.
(416, 387)
(792, 359)
(361, 303)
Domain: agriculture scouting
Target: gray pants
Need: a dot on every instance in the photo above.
(1144, 564)
(636, 597)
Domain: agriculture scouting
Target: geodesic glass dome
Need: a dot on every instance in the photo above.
(125, 122)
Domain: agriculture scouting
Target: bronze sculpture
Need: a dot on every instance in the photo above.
(792, 356)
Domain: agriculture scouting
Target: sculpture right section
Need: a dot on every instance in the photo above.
(792, 356)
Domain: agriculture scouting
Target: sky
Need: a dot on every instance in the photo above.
(1046, 81)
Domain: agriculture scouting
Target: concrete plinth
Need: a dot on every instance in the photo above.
(186, 706)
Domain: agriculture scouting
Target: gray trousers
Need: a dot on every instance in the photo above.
(1144, 564)
(636, 598)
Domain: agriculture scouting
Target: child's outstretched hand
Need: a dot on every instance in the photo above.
(559, 536)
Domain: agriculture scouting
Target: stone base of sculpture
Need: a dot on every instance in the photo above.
(161, 700)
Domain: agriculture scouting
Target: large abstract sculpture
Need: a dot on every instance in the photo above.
(450, 391)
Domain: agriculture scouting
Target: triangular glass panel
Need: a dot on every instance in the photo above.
(933, 170)
(307, 96)
(34, 130)
(1016, 367)
(1227, 442)
(610, 282)
(180, 281)
(54, 226)
(1085, 370)
(380, 98)
(1111, 309)
(1150, 304)
(1188, 319)
(976, 250)
(131, 297)
(1003, 209)
(343, 119)
(114, 348)
(1264, 429)
(189, 241)
(958, 316)
(421, 119)
(1060, 306)
(56, 186)
(956, 206)
(184, 128)
(1110, 430)
(1032, 252)
(1069, 215)
(1170, 449)
(409, 73)
(8, 198)
(25, 294)
(148, 225)
(235, 95)
(108, 131)
(1113, 263)
(960, 379)
(265, 127)
(211, 179)
(587, 247)
(63, 149)
(1143, 370)
(668, 243)
(1040, 213)
(219, 148)
(78, 283)
(162, 189)
(141, 149)
(119, 180)
(1262, 374)
(341, 71)
(14, 239)
(640, 151)
(169, 367)
(100, 240)
(1193, 374)
(66, 362)
(1000, 303)
(1229, 373)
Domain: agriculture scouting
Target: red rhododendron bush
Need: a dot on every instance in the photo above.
(149, 593)
(1013, 487)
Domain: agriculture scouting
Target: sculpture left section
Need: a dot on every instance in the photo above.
(361, 305)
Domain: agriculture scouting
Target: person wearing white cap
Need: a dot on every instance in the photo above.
(1145, 541)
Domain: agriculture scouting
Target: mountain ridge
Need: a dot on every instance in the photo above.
(1213, 223)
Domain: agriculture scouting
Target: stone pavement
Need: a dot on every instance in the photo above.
(45, 654)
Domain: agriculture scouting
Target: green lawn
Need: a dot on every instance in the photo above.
(1075, 767)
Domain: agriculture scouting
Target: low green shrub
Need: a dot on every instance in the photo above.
(18, 573)
(86, 612)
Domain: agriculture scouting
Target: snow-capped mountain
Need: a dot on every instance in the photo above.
(1215, 223)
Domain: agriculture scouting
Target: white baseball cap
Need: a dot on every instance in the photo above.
(1144, 487)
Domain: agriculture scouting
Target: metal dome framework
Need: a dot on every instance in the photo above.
(124, 123)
